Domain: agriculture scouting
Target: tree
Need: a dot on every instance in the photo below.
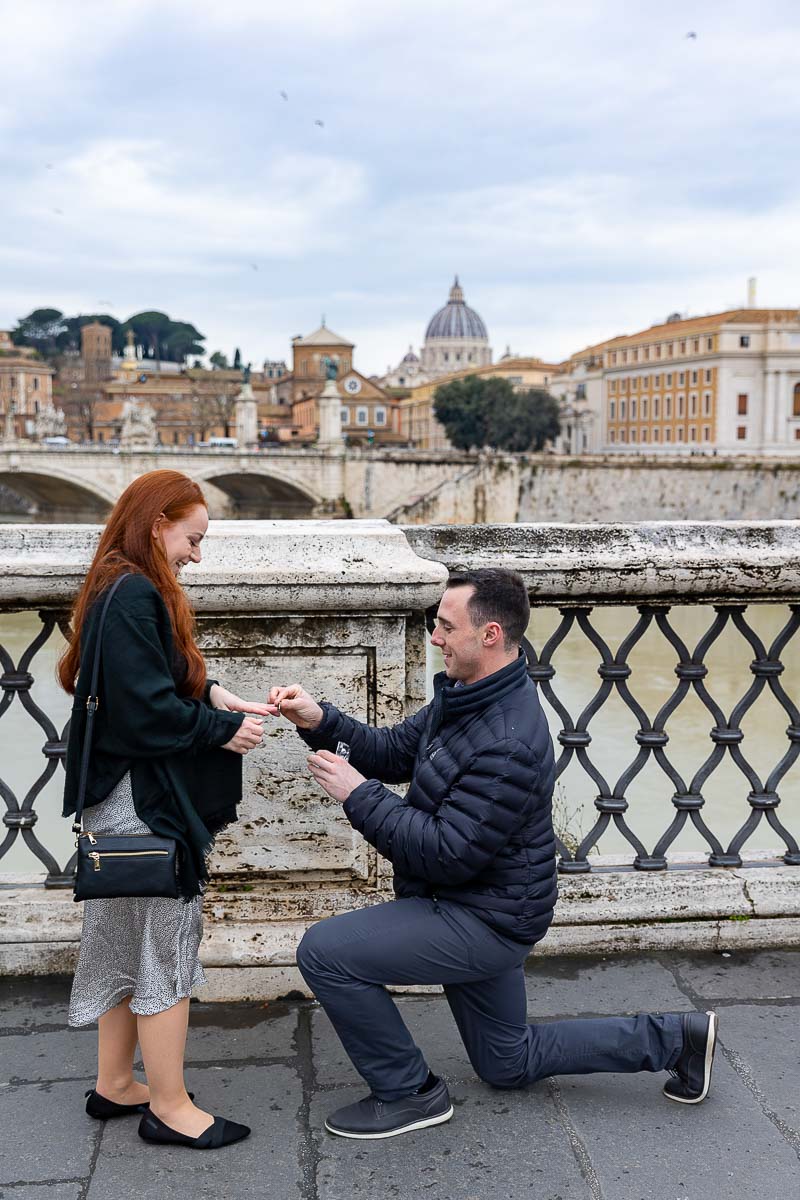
(162, 338)
(43, 330)
(479, 411)
(526, 422)
(461, 407)
(237, 359)
(219, 361)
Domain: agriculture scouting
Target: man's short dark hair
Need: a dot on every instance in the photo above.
(500, 596)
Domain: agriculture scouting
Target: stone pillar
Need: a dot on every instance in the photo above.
(336, 605)
(246, 417)
(330, 416)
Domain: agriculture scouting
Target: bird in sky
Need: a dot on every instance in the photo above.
(59, 211)
(284, 96)
(254, 266)
(692, 34)
(320, 123)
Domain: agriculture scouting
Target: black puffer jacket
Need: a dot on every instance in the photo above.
(475, 826)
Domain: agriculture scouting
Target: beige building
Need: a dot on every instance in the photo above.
(419, 427)
(577, 385)
(726, 383)
(26, 388)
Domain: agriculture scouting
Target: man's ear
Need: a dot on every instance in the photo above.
(492, 634)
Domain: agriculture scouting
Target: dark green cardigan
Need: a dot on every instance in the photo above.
(184, 785)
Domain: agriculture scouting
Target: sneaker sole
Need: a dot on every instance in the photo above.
(711, 1045)
(439, 1119)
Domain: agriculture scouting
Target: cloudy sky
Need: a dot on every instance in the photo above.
(583, 165)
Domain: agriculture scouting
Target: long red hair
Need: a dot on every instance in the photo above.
(127, 544)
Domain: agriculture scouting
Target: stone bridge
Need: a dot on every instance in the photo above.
(80, 484)
(409, 487)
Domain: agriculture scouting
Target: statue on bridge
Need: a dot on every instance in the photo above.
(138, 425)
(331, 368)
(246, 373)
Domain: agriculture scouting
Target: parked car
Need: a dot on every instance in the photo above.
(222, 443)
(55, 441)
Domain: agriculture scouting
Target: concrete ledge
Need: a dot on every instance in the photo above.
(249, 956)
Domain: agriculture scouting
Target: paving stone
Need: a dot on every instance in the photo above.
(45, 1133)
(507, 1145)
(28, 1003)
(224, 1033)
(600, 987)
(763, 975)
(64, 1054)
(45, 1191)
(266, 1164)
(643, 1147)
(764, 1039)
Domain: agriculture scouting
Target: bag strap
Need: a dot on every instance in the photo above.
(92, 705)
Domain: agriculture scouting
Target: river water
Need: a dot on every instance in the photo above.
(613, 729)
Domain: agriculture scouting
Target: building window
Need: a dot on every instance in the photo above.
(709, 343)
(797, 435)
(612, 437)
(692, 433)
(669, 380)
(36, 383)
(744, 340)
(612, 410)
(706, 404)
(635, 383)
(741, 432)
(622, 410)
(680, 405)
(655, 406)
(633, 435)
(679, 434)
(706, 433)
(656, 433)
(693, 403)
(796, 401)
(695, 345)
(683, 347)
(694, 376)
(622, 435)
(658, 351)
(647, 354)
(708, 377)
(362, 416)
(624, 356)
(741, 404)
(681, 378)
(345, 416)
(636, 356)
(446, 356)
(644, 408)
(667, 435)
(644, 435)
(656, 381)
(612, 387)
(380, 416)
(668, 406)
(633, 410)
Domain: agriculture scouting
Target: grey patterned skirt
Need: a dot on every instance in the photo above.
(142, 947)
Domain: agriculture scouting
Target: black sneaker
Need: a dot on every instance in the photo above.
(374, 1118)
(691, 1075)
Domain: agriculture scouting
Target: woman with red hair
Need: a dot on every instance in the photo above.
(166, 758)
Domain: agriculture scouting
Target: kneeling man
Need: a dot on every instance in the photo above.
(474, 859)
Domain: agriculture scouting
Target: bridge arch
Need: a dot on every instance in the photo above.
(54, 496)
(259, 494)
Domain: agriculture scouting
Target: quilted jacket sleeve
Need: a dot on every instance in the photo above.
(386, 754)
(489, 802)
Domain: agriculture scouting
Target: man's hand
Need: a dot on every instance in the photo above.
(294, 703)
(247, 736)
(335, 775)
(221, 698)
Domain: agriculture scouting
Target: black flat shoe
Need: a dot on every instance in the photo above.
(104, 1110)
(221, 1133)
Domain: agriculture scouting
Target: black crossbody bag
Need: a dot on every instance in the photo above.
(110, 867)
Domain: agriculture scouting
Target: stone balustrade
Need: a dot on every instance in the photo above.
(340, 606)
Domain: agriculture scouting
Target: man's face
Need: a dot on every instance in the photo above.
(460, 642)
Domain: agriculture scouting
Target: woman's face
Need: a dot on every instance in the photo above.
(181, 539)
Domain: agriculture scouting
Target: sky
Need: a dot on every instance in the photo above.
(584, 166)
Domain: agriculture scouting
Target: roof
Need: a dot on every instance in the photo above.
(456, 319)
(323, 337)
(491, 369)
(708, 323)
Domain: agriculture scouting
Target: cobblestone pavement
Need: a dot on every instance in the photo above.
(280, 1068)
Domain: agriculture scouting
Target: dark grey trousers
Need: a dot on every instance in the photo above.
(348, 960)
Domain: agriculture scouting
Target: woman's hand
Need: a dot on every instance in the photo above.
(247, 736)
(335, 775)
(221, 698)
(294, 703)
